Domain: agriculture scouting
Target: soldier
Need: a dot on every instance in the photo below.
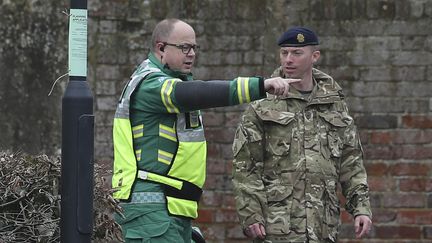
(159, 143)
(291, 152)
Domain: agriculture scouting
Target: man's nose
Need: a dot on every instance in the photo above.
(288, 58)
(191, 52)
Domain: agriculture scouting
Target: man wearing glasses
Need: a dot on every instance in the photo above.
(159, 144)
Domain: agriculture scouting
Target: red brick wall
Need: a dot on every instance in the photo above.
(398, 161)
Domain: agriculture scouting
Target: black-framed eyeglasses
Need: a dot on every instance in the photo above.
(185, 48)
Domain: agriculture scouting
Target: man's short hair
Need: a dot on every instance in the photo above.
(162, 31)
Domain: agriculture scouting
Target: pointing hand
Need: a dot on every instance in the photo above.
(278, 85)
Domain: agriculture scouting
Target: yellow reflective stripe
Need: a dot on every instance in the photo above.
(138, 154)
(165, 180)
(138, 131)
(138, 127)
(166, 91)
(174, 139)
(163, 95)
(239, 89)
(165, 157)
(169, 129)
(169, 97)
(246, 85)
(243, 90)
(167, 132)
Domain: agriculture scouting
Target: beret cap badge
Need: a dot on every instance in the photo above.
(300, 38)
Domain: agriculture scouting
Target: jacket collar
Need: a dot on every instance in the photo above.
(326, 89)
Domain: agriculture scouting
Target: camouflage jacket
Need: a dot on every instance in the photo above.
(289, 156)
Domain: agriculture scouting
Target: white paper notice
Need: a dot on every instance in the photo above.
(78, 42)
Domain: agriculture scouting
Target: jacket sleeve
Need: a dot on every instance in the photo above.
(247, 170)
(196, 95)
(159, 93)
(353, 176)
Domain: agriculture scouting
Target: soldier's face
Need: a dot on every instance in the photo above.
(174, 56)
(297, 62)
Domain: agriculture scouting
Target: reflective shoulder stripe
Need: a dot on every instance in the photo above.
(165, 157)
(138, 131)
(123, 105)
(243, 90)
(167, 132)
(166, 91)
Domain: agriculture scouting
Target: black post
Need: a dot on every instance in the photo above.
(76, 221)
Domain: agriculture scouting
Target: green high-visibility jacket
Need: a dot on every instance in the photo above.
(159, 142)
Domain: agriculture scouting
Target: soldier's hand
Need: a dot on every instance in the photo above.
(255, 230)
(278, 85)
(362, 225)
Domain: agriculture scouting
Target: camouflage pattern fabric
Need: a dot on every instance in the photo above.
(289, 156)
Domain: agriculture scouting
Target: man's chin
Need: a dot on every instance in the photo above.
(187, 69)
(292, 75)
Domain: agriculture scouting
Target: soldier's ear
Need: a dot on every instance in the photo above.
(315, 56)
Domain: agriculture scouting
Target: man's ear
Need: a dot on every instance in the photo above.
(315, 56)
(160, 47)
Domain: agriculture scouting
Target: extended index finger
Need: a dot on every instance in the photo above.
(292, 80)
(287, 82)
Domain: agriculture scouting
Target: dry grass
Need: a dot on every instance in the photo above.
(30, 201)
